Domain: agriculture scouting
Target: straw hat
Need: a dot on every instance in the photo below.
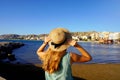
(59, 39)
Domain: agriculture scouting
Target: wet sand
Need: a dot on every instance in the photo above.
(79, 71)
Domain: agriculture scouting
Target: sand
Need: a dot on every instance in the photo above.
(79, 71)
(97, 71)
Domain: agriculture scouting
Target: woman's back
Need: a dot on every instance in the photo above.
(64, 72)
(56, 62)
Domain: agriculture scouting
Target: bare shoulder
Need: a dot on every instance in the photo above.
(74, 57)
(73, 53)
(78, 58)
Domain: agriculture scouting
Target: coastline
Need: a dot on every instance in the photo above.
(108, 71)
(6, 49)
(79, 71)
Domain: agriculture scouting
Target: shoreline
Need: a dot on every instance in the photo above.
(6, 50)
(79, 71)
(82, 71)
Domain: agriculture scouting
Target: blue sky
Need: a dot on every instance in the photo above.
(41, 16)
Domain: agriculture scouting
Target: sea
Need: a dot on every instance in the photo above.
(101, 53)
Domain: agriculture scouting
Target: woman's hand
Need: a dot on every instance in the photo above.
(47, 39)
(72, 42)
(41, 48)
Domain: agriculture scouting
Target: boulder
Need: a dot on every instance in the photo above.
(6, 49)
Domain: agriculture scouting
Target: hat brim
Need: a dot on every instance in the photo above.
(63, 46)
(60, 48)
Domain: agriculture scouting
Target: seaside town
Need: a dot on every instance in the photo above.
(100, 37)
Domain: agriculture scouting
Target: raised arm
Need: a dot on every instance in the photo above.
(40, 51)
(84, 57)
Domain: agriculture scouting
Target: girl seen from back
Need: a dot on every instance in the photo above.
(56, 61)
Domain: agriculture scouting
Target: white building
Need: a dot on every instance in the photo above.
(116, 36)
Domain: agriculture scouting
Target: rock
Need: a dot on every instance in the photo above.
(6, 49)
(11, 57)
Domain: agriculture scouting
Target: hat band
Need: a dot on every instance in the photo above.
(57, 45)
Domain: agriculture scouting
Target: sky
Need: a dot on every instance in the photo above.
(41, 16)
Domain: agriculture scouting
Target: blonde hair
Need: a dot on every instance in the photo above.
(51, 60)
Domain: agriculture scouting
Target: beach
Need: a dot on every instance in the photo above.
(97, 71)
(79, 71)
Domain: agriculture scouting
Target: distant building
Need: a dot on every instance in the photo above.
(116, 36)
(75, 38)
(94, 36)
(105, 35)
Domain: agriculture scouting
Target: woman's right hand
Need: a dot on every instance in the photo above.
(72, 42)
(47, 39)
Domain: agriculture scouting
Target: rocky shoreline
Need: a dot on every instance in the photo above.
(6, 49)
